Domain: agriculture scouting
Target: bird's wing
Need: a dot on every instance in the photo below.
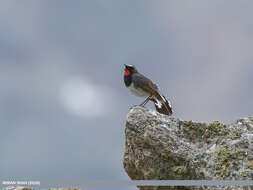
(144, 83)
(161, 103)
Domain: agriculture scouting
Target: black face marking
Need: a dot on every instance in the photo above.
(128, 80)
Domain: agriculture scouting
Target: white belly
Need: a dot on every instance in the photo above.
(138, 92)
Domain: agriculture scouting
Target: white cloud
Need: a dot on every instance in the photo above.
(84, 98)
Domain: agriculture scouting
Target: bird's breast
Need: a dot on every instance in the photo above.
(138, 91)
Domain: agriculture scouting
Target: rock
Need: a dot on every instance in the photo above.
(161, 147)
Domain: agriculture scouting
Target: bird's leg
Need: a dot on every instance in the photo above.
(145, 101)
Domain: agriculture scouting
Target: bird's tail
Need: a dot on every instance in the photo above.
(162, 105)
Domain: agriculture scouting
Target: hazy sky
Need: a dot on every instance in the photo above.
(62, 96)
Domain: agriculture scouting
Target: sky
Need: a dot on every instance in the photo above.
(63, 100)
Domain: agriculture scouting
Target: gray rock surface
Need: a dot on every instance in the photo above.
(162, 147)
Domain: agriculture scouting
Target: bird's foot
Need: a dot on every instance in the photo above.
(134, 106)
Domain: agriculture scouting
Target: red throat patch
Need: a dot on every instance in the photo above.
(127, 73)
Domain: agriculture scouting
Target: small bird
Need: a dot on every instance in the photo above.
(141, 86)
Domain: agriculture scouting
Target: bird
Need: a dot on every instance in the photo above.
(141, 86)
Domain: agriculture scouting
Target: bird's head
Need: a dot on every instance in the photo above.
(130, 69)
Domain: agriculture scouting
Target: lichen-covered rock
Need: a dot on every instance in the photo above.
(163, 147)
